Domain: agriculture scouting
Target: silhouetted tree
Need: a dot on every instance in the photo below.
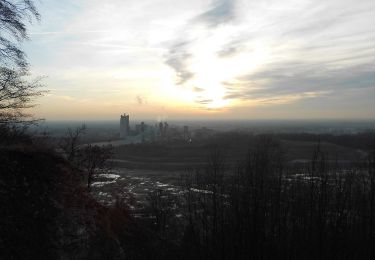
(13, 17)
(71, 141)
(16, 95)
(16, 91)
(88, 158)
(93, 159)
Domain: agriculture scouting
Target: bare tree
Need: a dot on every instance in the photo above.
(14, 14)
(93, 159)
(16, 90)
(16, 95)
(71, 141)
(89, 158)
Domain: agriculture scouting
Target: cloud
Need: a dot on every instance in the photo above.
(291, 98)
(141, 100)
(69, 99)
(300, 80)
(271, 52)
(197, 89)
(203, 101)
(221, 11)
(228, 50)
(177, 58)
(64, 32)
(179, 54)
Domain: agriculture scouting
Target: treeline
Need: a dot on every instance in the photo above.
(267, 209)
(362, 140)
(47, 211)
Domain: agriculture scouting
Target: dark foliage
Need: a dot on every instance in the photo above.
(92, 159)
(361, 140)
(89, 158)
(28, 207)
(265, 208)
(47, 213)
(12, 135)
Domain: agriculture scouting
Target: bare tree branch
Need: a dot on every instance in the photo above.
(16, 95)
(17, 91)
(13, 17)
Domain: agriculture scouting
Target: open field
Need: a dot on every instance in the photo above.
(182, 156)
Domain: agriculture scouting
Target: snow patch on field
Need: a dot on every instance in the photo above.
(102, 183)
(109, 176)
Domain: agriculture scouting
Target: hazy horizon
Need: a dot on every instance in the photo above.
(328, 120)
(291, 126)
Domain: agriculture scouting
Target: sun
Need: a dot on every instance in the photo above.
(208, 87)
(211, 72)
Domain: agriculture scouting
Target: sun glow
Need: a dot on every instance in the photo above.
(212, 71)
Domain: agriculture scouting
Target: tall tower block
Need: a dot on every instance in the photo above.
(124, 126)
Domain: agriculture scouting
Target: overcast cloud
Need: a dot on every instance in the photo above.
(225, 52)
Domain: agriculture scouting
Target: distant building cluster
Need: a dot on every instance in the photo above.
(163, 130)
(150, 133)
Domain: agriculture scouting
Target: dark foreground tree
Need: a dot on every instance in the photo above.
(14, 15)
(91, 159)
(16, 90)
(71, 142)
(94, 159)
(16, 95)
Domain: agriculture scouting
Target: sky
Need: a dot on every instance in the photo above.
(204, 59)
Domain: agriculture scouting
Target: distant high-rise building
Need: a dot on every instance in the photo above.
(186, 133)
(166, 126)
(161, 129)
(124, 126)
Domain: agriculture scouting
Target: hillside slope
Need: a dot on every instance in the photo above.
(46, 213)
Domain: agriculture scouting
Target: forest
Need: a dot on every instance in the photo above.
(262, 207)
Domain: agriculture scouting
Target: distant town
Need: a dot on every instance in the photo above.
(158, 132)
